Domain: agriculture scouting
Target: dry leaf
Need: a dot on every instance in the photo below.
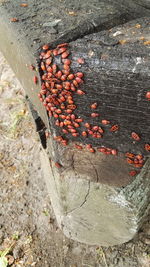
(138, 26)
(13, 19)
(147, 43)
(72, 13)
(122, 42)
(24, 4)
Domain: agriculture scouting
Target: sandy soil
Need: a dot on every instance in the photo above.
(28, 228)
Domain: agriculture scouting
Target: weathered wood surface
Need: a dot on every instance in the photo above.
(117, 78)
(94, 198)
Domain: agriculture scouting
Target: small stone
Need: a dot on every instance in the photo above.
(18, 252)
(52, 30)
(10, 259)
(146, 241)
(51, 23)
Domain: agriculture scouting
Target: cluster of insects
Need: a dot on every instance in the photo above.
(59, 85)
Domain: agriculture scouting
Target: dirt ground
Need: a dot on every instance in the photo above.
(29, 235)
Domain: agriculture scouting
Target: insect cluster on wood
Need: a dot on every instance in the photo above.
(59, 85)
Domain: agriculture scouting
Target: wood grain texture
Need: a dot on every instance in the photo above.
(116, 76)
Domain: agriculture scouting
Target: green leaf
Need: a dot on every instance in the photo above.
(3, 261)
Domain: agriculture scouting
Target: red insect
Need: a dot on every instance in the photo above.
(80, 60)
(42, 66)
(66, 61)
(130, 155)
(66, 68)
(49, 69)
(133, 173)
(100, 130)
(58, 111)
(57, 165)
(62, 106)
(58, 86)
(136, 161)
(130, 161)
(64, 143)
(147, 147)
(102, 149)
(70, 77)
(90, 132)
(62, 117)
(66, 72)
(94, 115)
(55, 115)
(48, 61)
(114, 128)
(35, 79)
(114, 152)
(78, 146)
(71, 106)
(139, 157)
(79, 80)
(80, 92)
(67, 122)
(94, 106)
(45, 47)
(63, 77)
(75, 83)
(68, 117)
(79, 120)
(75, 134)
(73, 117)
(135, 136)
(84, 134)
(87, 125)
(69, 111)
(92, 150)
(65, 54)
(47, 55)
(62, 50)
(76, 125)
(72, 130)
(79, 74)
(70, 127)
(98, 135)
(95, 128)
(61, 45)
(105, 122)
(66, 85)
(65, 131)
(148, 95)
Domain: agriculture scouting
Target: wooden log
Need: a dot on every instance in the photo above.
(95, 190)
(95, 199)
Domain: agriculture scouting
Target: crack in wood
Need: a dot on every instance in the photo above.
(97, 179)
(85, 199)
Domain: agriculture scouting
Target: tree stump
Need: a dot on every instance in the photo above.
(97, 171)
